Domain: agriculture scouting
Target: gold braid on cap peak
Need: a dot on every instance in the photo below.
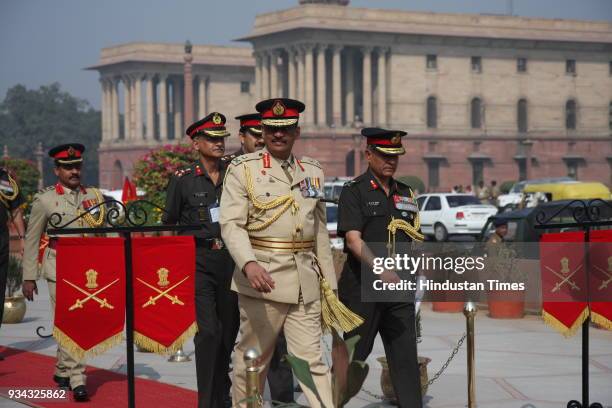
(279, 122)
(286, 201)
(411, 230)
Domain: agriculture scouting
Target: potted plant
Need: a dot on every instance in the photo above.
(503, 265)
(14, 305)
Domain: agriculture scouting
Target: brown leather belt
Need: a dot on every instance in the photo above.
(287, 245)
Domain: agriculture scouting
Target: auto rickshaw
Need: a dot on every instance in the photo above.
(535, 193)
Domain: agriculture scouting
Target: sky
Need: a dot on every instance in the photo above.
(44, 41)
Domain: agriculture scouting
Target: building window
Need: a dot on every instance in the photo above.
(433, 174)
(477, 65)
(521, 115)
(521, 65)
(570, 114)
(245, 87)
(432, 112)
(522, 169)
(610, 116)
(432, 61)
(570, 66)
(610, 68)
(572, 169)
(476, 113)
(477, 172)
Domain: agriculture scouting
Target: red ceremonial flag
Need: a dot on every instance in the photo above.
(164, 292)
(564, 292)
(129, 191)
(90, 293)
(601, 277)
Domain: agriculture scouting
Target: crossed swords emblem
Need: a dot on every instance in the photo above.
(162, 273)
(565, 275)
(607, 274)
(91, 296)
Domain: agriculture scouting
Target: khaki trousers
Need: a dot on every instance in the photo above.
(66, 366)
(260, 324)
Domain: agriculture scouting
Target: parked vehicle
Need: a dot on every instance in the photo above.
(513, 198)
(533, 194)
(333, 187)
(446, 214)
(332, 226)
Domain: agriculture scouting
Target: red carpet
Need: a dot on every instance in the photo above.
(23, 369)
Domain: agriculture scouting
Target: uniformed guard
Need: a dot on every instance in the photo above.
(249, 134)
(275, 229)
(501, 230)
(192, 197)
(376, 208)
(69, 198)
(11, 200)
(280, 376)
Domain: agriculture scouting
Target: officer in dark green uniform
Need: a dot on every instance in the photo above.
(376, 208)
(250, 135)
(192, 197)
(11, 200)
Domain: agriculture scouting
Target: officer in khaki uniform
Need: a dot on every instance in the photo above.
(275, 228)
(70, 199)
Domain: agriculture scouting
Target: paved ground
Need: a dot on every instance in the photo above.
(519, 363)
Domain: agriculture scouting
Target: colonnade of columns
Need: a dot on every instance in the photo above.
(156, 115)
(339, 84)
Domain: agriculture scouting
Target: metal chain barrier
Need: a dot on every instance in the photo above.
(433, 379)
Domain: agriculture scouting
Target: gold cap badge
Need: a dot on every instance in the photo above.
(278, 109)
(217, 119)
(71, 152)
(396, 139)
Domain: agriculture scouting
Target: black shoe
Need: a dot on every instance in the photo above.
(62, 382)
(227, 402)
(80, 393)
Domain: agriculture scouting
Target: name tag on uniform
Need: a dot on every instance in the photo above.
(405, 203)
(214, 213)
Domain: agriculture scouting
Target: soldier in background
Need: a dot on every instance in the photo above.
(369, 205)
(249, 134)
(69, 198)
(11, 200)
(193, 197)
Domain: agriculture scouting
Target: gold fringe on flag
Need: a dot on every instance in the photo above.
(552, 321)
(149, 344)
(601, 321)
(77, 352)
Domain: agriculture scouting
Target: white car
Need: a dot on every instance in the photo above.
(332, 226)
(446, 214)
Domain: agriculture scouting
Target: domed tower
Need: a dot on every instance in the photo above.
(334, 2)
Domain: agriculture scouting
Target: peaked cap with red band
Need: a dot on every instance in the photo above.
(388, 142)
(67, 153)
(212, 125)
(280, 112)
(250, 122)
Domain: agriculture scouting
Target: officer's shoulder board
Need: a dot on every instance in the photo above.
(45, 190)
(404, 185)
(182, 171)
(228, 158)
(355, 181)
(237, 160)
(310, 161)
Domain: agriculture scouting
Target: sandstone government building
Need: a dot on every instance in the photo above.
(482, 97)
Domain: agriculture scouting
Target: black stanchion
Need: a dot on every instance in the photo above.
(123, 220)
(586, 215)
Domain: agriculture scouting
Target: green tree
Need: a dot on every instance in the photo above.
(26, 175)
(153, 171)
(52, 117)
